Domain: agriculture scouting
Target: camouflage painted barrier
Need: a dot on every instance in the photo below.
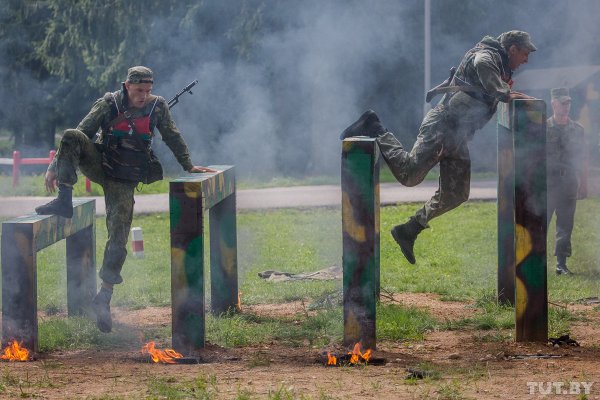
(188, 199)
(360, 225)
(22, 238)
(522, 226)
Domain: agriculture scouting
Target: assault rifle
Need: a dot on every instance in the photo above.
(188, 89)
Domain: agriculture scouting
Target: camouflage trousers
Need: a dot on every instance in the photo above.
(440, 141)
(77, 151)
(562, 201)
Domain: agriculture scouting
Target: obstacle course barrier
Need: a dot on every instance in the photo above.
(22, 238)
(360, 225)
(188, 199)
(522, 209)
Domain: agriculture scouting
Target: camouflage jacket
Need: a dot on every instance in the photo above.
(566, 153)
(486, 67)
(101, 114)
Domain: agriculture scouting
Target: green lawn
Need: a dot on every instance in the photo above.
(456, 258)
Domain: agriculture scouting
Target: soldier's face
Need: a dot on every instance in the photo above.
(561, 108)
(138, 93)
(517, 56)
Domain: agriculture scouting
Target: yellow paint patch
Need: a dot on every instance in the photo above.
(355, 230)
(177, 262)
(523, 243)
(520, 298)
(535, 117)
(228, 258)
(351, 326)
(192, 189)
(24, 245)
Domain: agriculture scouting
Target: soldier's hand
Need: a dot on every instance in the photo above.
(50, 181)
(198, 169)
(518, 95)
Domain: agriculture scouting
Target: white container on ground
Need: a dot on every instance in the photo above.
(137, 242)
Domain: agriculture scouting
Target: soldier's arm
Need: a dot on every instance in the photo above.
(490, 76)
(90, 124)
(171, 135)
(97, 116)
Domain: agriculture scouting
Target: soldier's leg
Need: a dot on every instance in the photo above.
(119, 201)
(75, 150)
(410, 168)
(565, 215)
(118, 197)
(454, 186)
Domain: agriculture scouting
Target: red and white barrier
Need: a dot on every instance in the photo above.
(137, 242)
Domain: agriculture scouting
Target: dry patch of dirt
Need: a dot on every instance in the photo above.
(462, 364)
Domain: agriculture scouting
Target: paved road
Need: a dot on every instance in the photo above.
(254, 199)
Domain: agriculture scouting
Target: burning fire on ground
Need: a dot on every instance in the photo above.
(14, 352)
(355, 356)
(167, 356)
(239, 302)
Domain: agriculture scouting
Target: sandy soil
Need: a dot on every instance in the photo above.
(466, 364)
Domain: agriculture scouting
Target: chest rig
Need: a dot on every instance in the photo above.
(127, 140)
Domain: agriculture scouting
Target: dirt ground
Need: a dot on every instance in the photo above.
(465, 364)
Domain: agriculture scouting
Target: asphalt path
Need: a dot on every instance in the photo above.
(270, 198)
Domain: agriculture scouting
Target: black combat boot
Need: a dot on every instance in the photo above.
(405, 235)
(101, 306)
(561, 266)
(62, 205)
(367, 125)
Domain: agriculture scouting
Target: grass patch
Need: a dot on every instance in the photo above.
(403, 323)
(202, 387)
(456, 258)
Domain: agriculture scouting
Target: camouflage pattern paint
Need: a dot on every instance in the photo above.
(22, 238)
(360, 225)
(189, 197)
(506, 208)
(527, 123)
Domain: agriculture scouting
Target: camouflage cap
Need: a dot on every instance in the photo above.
(139, 74)
(561, 94)
(520, 38)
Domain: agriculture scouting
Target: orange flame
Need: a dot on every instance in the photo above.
(14, 352)
(239, 302)
(331, 360)
(166, 356)
(356, 354)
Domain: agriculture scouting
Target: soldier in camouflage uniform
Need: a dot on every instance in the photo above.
(482, 79)
(118, 160)
(566, 156)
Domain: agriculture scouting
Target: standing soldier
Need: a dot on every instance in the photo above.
(120, 159)
(566, 156)
(471, 95)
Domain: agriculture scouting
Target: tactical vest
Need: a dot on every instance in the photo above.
(127, 153)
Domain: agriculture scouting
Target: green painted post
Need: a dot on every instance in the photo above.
(223, 256)
(526, 119)
(187, 266)
(189, 197)
(360, 224)
(506, 208)
(81, 270)
(19, 286)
